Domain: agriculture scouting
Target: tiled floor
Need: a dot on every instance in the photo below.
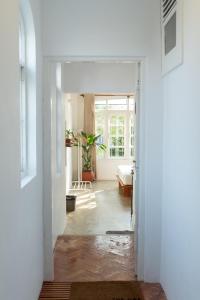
(152, 291)
(101, 210)
(86, 253)
(94, 258)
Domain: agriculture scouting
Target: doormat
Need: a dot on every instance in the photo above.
(119, 232)
(106, 291)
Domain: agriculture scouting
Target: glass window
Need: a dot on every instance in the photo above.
(115, 124)
(100, 130)
(117, 104)
(100, 104)
(23, 108)
(132, 137)
(117, 136)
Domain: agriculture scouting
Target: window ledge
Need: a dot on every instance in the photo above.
(26, 180)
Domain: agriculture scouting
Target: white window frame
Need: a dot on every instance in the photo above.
(23, 101)
(108, 113)
(27, 96)
(111, 113)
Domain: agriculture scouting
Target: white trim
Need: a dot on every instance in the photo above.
(141, 187)
(29, 64)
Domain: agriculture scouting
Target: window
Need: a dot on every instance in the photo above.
(117, 135)
(27, 95)
(23, 108)
(115, 123)
(59, 137)
(132, 137)
(100, 130)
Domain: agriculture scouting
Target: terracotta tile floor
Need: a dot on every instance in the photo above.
(94, 258)
(152, 291)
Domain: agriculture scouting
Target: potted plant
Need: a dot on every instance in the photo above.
(88, 142)
(69, 136)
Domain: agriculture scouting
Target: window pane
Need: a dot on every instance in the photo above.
(132, 141)
(121, 152)
(100, 104)
(113, 120)
(116, 152)
(100, 130)
(120, 131)
(113, 130)
(113, 141)
(121, 120)
(23, 109)
(132, 137)
(132, 152)
(117, 104)
(120, 141)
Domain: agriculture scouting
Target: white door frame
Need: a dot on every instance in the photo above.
(140, 188)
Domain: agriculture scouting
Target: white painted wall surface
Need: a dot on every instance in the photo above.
(107, 168)
(99, 77)
(57, 153)
(68, 150)
(180, 264)
(77, 123)
(54, 180)
(21, 212)
(117, 28)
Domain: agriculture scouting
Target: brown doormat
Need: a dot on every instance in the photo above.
(106, 291)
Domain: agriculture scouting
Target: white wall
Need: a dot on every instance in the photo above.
(54, 177)
(99, 77)
(21, 213)
(68, 150)
(107, 168)
(118, 28)
(57, 156)
(180, 266)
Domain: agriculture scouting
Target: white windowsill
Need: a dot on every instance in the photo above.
(26, 180)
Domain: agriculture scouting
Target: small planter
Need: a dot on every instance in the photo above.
(88, 176)
(68, 143)
(70, 203)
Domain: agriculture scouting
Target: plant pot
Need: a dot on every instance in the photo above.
(88, 176)
(68, 143)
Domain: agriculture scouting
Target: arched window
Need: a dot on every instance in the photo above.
(27, 65)
(23, 105)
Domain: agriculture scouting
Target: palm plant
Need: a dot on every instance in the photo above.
(89, 141)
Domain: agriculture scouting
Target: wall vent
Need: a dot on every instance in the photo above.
(167, 7)
(171, 23)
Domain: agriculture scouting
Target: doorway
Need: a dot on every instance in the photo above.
(105, 205)
(108, 188)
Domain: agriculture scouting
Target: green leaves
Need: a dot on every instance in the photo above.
(87, 141)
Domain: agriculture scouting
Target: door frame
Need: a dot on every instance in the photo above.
(140, 183)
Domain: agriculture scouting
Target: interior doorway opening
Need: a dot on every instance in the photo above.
(118, 121)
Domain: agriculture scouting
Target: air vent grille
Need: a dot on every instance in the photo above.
(167, 7)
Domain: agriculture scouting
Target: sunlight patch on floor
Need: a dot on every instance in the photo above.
(99, 210)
